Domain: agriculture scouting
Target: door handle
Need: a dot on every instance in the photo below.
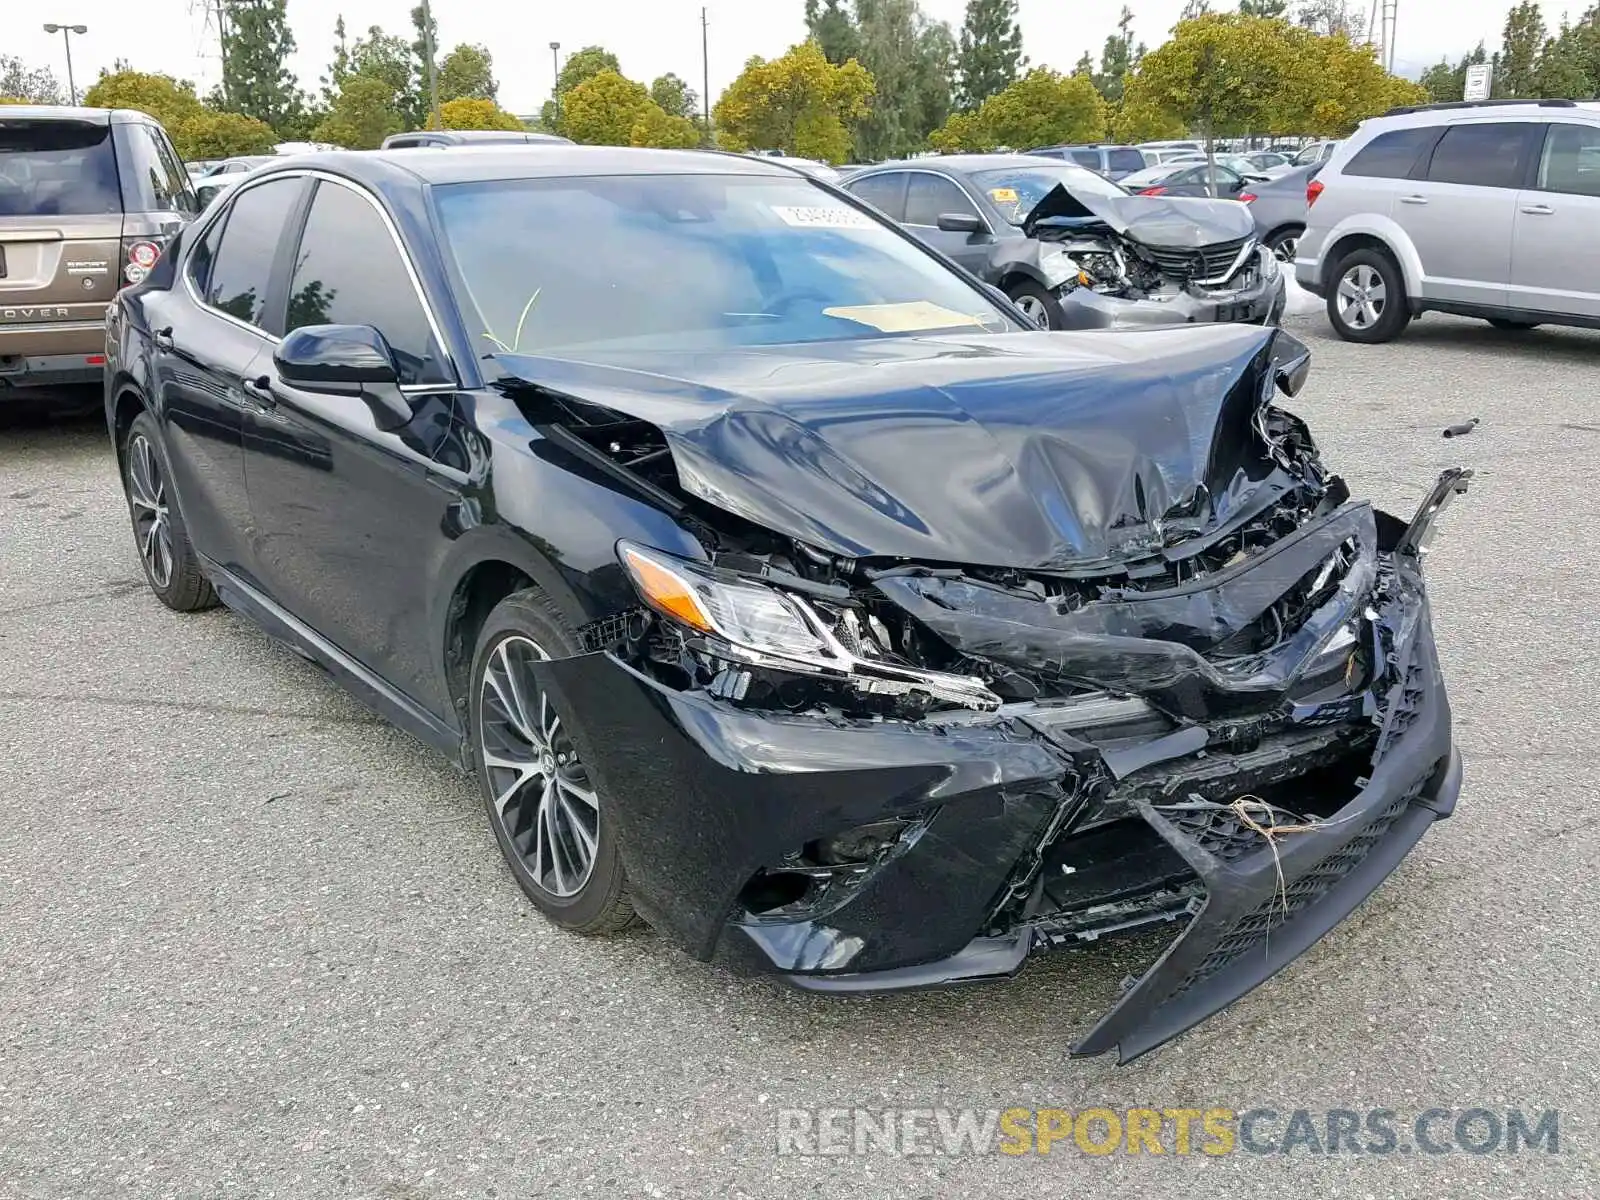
(1413, 199)
(1537, 210)
(163, 338)
(259, 389)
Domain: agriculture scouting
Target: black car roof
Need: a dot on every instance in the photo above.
(515, 160)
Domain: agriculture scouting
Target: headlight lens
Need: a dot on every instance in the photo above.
(745, 614)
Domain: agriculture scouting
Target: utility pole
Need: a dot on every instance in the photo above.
(433, 74)
(705, 74)
(555, 88)
(66, 32)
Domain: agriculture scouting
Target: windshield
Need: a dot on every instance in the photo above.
(688, 262)
(57, 169)
(1016, 190)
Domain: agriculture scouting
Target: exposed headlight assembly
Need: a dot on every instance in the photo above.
(756, 623)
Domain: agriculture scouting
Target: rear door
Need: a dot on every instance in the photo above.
(1555, 253)
(1461, 209)
(60, 237)
(210, 334)
(930, 196)
(349, 525)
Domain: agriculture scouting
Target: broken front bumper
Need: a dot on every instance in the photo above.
(706, 797)
(1260, 303)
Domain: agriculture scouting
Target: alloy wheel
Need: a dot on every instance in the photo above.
(1033, 308)
(1285, 248)
(542, 794)
(1362, 296)
(152, 523)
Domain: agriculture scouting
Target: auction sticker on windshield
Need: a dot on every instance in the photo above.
(822, 216)
(1003, 195)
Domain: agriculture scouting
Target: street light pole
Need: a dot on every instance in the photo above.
(555, 88)
(66, 32)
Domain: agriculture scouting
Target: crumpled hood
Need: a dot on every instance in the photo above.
(1179, 222)
(1025, 450)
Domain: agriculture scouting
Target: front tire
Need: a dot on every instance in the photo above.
(1037, 304)
(171, 566)
(1367, 302)
(1283, 243)
(544, 808)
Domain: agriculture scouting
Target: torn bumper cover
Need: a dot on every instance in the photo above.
(1260, 302)
(964, 843)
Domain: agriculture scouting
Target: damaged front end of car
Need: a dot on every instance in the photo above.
(1155, 668)
(1149, 262)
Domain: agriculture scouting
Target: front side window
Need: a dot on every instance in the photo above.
(348, 271)
(242, 269)
(930, 195)
(1087, 158)
(1391, 155)
(886, 193)
(1016, 190)
(688, 263)
(1126, 161)
(1483, 154)
(1570, 162)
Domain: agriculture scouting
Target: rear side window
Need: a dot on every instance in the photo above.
(1487, 154)
(930, 195)
(1571, 160)
(152, 178)
(1087, 158)
(886, 192)
(203, 255)
(57, 169)
(1125, 160)
(348, 271)
(242, 270)
(1391, 155)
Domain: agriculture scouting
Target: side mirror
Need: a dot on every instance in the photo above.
(345, 360)
(960, 222)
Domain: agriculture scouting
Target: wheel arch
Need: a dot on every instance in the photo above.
(1371, 231)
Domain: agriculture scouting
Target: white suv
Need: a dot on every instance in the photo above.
(1486, 209)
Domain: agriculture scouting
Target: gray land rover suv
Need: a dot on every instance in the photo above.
(1482, 208)
(89, 197)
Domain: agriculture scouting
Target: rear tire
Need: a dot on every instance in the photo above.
(1511, 326)
(171, 567)
(1367, 299)
(1283, 243)
(1037, 304)
(544, 807)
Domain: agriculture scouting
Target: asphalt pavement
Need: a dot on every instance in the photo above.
(255, 942)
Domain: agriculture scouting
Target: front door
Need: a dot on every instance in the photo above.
(348, 524)
(1555, 255)
(1460, 214)
(930, 197)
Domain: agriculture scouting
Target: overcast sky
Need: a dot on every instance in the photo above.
(649, 36)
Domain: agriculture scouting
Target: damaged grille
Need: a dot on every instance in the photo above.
(1405, 706)
(1212, 262)
(1255, 927)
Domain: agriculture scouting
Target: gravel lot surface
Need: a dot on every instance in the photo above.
(254, 942)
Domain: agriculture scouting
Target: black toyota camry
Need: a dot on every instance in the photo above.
(778, 582)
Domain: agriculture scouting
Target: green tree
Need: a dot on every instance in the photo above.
(675, 97)
(1524, 36)
(936, 57)
(657, 127)
(990, 53)
(339, 66)
(1345, 85)
(603, 109)
(222, 135)
(1263, 8)
(1329, 17)
(831, 25)
(473, 112)
(424, 63)
(362, 114)
(1042, 108)
(901, 50)
(170, 101)
(387, 58)
(799, 103)
(581, 65)
(1117, 58)
(467, 73)
(28, 85)
(256, 46)
(1562, 69)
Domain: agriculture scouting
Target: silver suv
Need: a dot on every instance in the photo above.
(1485, 209)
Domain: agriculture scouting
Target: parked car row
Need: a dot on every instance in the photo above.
(810, 603)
